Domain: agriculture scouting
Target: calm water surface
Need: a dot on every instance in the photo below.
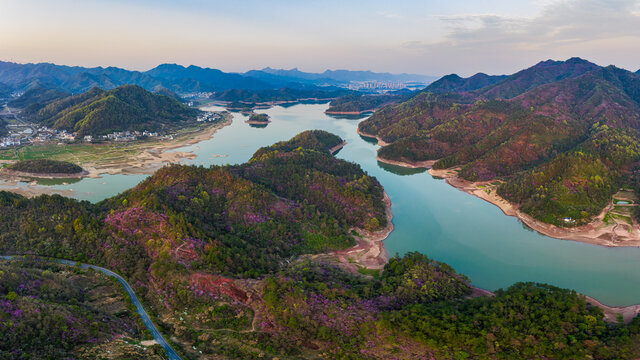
(431, 217)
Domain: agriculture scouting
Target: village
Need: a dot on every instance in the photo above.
(20, 132)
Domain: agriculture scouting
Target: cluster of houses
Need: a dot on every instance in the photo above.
(9, 141)
(44, 134)
(209, 116)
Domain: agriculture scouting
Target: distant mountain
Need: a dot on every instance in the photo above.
(36, 98)
(284, 94)
(345, 76)
(5, 90)
(538, 121)
(74, 79)
(178, 79)
(203, 79)
(128, 107)
(454, 83)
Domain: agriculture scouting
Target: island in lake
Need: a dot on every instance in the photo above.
(258, 119)
(44, 168)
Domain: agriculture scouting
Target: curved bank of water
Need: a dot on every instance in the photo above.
(473, 236)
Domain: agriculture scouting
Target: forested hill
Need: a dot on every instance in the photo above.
(128, 107)
(34, 99)
(216, 255)
(454, 83)
(526, 122)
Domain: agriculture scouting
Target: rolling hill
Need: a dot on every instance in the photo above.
(523, 124)
(128, 107)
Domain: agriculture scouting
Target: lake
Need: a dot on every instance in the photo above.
(431, 217)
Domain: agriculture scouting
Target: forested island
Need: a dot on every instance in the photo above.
(46, 167)
(230, 261)
(258, 119)
(558, 139)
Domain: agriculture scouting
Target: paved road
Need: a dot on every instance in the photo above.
(145, 317)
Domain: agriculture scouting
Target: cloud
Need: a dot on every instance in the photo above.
(389, 15)
(589, 28)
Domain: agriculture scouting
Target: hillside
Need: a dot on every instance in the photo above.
(551, 109)
(5, 91)
(127, 107)
(358, 103)
(222, 258)
(50, 312)
(454, 83)
(34, 99)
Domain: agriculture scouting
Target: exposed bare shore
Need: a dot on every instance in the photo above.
(596, 233)
(31, 189)
(23, 174)
(369, 252)
(334, 149)
(153, 158)
(258, 122)
(328, 112)
(380, 141)
(413, 165)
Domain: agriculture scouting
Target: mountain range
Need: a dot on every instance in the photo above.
(573, 123)
(176, 78)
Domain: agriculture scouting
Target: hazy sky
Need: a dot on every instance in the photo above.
(429, 37)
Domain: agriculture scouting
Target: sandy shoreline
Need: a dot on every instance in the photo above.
(147, 162)
(369, 252)
(23, 174)
(348, 112)
(595, 233)
(153, 158)
(335, 149)
(412, 165)
(380, 141)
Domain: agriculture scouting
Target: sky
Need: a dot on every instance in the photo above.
(431, 37)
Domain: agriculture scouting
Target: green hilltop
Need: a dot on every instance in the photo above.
(125, 108)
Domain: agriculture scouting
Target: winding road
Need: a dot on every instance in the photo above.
(171, 354)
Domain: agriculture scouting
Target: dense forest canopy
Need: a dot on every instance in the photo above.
(222, 258)
(125, 108)
(532, 122)
(45, 166)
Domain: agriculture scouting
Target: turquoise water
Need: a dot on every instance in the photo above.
(473, 236)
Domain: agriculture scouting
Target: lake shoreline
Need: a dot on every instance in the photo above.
(24, 174)
(328, 112)
(335, 149)
(594, 233)
(427, 164)
(380, 141)
(153, 158)
(369, 251)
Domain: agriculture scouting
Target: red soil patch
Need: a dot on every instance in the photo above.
(217, 285)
